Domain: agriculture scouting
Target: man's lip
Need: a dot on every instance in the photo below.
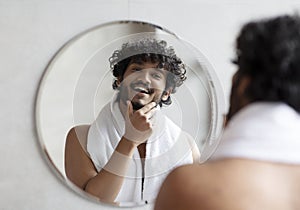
(141, 89)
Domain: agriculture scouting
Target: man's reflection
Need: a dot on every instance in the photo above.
(126, 153)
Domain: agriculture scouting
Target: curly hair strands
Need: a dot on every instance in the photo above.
(268, 51)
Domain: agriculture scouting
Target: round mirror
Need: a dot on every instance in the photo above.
(77, 111)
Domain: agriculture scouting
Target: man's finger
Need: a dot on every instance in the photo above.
(151, 113)
(148, 107)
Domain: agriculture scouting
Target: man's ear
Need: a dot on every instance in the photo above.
(166, 94)
(240, 83)
(243, 84)
(238, 95)
(118, 81)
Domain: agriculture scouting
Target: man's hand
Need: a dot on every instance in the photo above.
(139, 124)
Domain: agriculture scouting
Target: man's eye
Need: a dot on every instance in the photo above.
(157, 76)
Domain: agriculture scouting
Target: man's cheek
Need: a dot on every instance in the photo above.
(157, 98)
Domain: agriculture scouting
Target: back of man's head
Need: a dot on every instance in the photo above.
(268, 52)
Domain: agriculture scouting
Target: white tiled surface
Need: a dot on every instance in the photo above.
(32, 31)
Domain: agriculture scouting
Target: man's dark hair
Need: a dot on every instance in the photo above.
(149, 50)
(268, 51)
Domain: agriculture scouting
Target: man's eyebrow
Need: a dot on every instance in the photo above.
(140, 64)
(161, 70)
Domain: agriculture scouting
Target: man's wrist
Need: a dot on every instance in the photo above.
(126, 146)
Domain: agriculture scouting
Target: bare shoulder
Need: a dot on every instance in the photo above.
(79, 167)
(216, 185)
(187, 187)
(78, 131)
(78, 134)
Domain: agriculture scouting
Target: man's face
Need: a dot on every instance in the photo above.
(143, 83)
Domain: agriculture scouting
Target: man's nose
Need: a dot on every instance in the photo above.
(145, 77)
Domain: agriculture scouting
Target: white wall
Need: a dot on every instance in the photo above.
(32, 31)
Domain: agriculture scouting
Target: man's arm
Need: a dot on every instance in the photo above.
(79, 167)
(107, 183)
(81, 171)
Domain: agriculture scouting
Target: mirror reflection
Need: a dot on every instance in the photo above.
(122, 105)
(131, 146)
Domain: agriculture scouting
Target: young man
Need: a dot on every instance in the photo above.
(257, 164)
(124, 156)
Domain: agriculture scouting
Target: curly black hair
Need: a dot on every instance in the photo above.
(268, 51)
(154, 51)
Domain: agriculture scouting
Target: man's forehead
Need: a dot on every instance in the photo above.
(150, 65)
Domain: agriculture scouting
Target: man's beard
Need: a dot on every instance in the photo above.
(136, 105)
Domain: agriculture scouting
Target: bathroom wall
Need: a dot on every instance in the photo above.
(32, 31)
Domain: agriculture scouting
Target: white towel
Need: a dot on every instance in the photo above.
(167, 148)
(262, 131)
